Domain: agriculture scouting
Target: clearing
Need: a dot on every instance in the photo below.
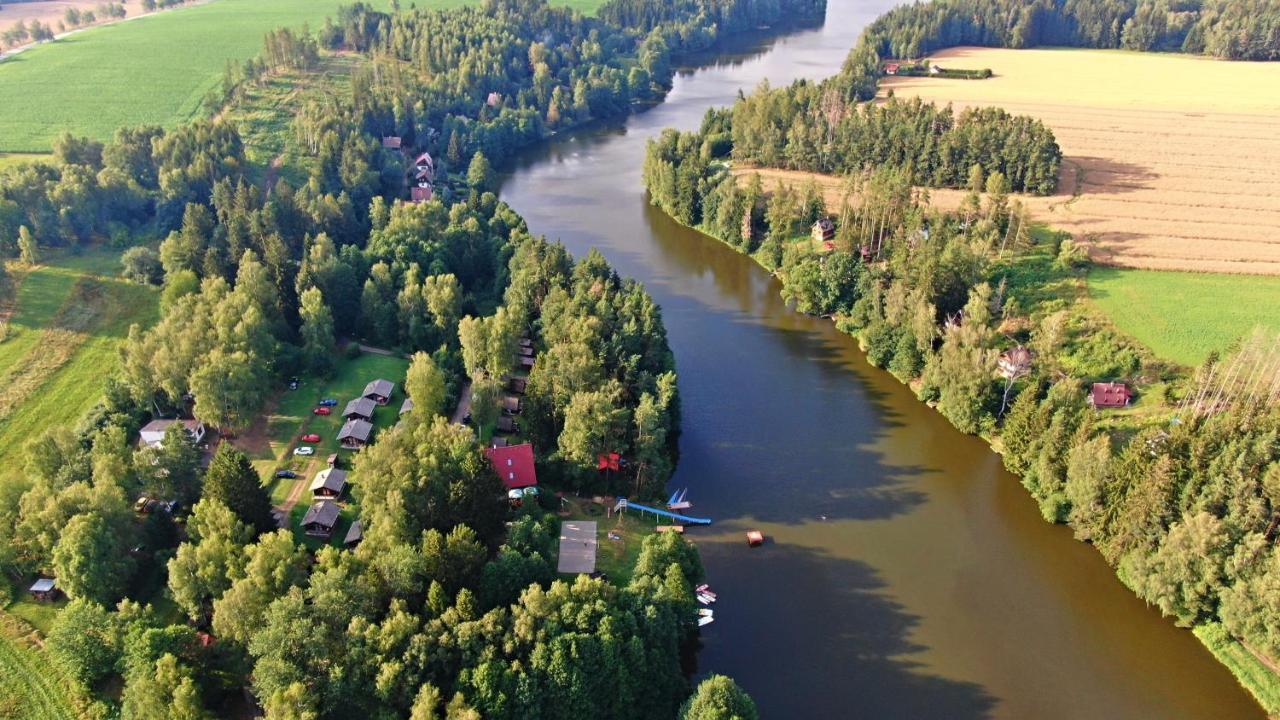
(1169, 159)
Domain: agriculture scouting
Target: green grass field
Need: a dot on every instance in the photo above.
(30, 686)
(1184, 316)
(153, 70)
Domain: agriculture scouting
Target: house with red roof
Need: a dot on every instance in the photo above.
(514, 464)
(1110, 395)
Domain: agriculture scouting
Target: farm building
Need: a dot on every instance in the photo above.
(153, 432)
(44, 589)
(1014, 363)
(391, 142)
(824, 230)
(361, 408)
(1109, 395)
(379, 391)
(321, 518)
(355, 434)
(514, 464)
(328, 483)
(355, 534)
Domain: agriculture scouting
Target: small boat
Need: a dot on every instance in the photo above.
(706, 612)
(705, 621)
(682, 505)
(702, 588)
(708, 593)
(705, 599)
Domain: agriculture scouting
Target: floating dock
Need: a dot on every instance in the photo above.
(623, 504)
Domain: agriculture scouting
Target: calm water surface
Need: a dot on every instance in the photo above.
(907, 574)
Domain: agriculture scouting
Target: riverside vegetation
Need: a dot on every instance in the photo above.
(1180, 493)
(450, 606)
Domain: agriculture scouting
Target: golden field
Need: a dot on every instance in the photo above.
(1170, 161)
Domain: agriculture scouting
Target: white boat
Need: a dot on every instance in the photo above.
(708, 593)
(702, 588)
(705, 599)
(705, 621)
(706, 612)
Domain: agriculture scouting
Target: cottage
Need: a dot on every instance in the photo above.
(406, 406)
(506, 424)
(355, 434)
(424, 167)
(510, 404)
(824, 230)
(391, 142)
(44, 589)
(153, 432)
(421, 193)
(355, 534)
(891, 68)
(514, 464)
(517, 385)
(1110, 395)
(320, 519)
(328, 484)
(1014, 363)
(361, 408)
(379, 391)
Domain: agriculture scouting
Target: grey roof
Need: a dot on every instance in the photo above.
(379, 387)
(324, 512)
(330, 479)
(355, 533)
(358, 429)
(42, 585)
(361, 406)
(406, 406)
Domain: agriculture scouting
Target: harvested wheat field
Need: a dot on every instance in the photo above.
(1171, 161)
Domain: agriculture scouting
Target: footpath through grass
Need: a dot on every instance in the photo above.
(1184, 316)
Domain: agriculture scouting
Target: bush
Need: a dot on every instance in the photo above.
(142, 265)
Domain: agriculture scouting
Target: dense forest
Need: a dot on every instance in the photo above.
(449, 607)
(1184, 503)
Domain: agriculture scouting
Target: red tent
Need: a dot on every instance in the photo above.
(611, 461)
(514, 464)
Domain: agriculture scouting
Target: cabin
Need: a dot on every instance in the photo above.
(328, 484)
(361, 408)
(824, 230)
(391, 142)
(517, 385)
(498, 442)
(514, 464)
(44, 589)
(506, 424)
(1109, 395)
(891, 68)
(526, 342)
(526, 362)
(406, 406)
(355, 434)
(421, 193)
(424, 167)
(526, 352)
(510, 404)
(379, 391)
(355, 534)
(152, 433)
(321, 518)
(1014, 363)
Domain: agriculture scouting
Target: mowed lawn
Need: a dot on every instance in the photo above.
(1184, 316)
(153, 70)
(69, 319)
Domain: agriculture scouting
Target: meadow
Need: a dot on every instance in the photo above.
(1184, 316)
(153, 70)
(1169, 159)
(31, 688)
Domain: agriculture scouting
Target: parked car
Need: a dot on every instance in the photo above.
(327, 402)
(287, 474)
(311, 437)
(322, 410)
(304, 450)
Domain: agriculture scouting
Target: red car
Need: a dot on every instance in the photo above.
(322, 411)
(311, 437)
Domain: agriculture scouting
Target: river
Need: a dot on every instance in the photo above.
(907, 574)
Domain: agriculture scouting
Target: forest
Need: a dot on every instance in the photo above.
(1181, 499)
(450, 606)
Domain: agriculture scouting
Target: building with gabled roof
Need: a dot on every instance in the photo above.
(514, 464)
(321, 518)
(355, 434)
(329, 483)
(379, 391)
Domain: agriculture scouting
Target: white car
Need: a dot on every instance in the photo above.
(304, 451)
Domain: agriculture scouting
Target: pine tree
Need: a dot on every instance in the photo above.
(232, 481)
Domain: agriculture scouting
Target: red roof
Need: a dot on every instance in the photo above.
(514, 464)
(419, 194)
(1112, 394)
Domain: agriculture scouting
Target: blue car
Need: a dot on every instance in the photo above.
(328, 402)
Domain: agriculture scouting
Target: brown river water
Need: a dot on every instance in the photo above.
(906, 574)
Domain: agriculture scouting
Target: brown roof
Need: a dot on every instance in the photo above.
(380, 387)
(356, 429)
(331, 479)
(361, 406)
(323, 513)
(391, 142)
(355, 534)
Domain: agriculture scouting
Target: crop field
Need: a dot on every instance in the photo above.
(1169, 159)
(153, 70)
(29, 684)
(60, 342)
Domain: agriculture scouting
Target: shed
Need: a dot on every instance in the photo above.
(321, 518)
(152, 434)
(44, 589)
(526, 351)
(329, 483)
(514, 464)
(517, 385)
(526, 361)
(824, 229)
(355, 434)
(361, 408)
(391, 142)
(406, 406)
(510, 404)
(379, 391)
(1110, 395)
(1014, 363)
(355, 534)
(498, 442)
(332, 460)
(526, 342)
(506, 424)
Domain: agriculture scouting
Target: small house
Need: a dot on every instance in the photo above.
(1109, 395)
(153, 432)
(824, 230)
(379, 391)
(424, 167)
(44, 589)
(328, 484)
(391, 142)
(517, 385)
(514, 464)
(321, 518)
(891, 68)
(510, 404)
(506, 424)
(421, 193)
(361, 408)
(355, 434)
(406, 406)
(355, 534)
(526, 351)
(526, 342)
(1014, 363)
